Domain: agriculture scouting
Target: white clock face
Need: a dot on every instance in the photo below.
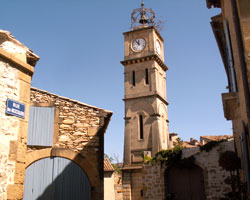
(158, 47)
(139, 44)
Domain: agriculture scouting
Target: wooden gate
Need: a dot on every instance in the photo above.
(56, 179)
(185, 183)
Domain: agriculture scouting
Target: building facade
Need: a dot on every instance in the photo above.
(68, 150)
(17, 64)
(51, 147)
(232, 33)
(203, 179)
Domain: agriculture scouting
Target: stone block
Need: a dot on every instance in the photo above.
(24, 77)
(13, 150)
(23, 129)
(19, 173)
(21, 152)
(68, 121)
(92, 131)
(24, 94)
(65, 126)
(15, 191)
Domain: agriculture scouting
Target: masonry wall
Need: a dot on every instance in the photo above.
(118, 186)
(132, 182)
(78, 128)
(9, 87)
(214, 175)
(15, 78)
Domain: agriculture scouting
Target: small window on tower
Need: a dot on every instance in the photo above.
(141, 126)
(146, 76)
(133, 78)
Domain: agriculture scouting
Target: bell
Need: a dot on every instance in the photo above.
(143, 19)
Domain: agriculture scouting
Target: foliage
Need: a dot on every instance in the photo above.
(115, 166)
(179, 142)
(108, 157)
(169, 156)
(229, 161)
(160, 24)
(210, 145)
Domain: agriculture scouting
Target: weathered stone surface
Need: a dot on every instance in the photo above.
(68, 121)
(64, 138)
(19, 173)
(9, 87)
(72, 122)
(15, 192)
(214, 176)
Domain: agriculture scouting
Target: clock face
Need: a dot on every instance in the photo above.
(158, 47)
(139, 44)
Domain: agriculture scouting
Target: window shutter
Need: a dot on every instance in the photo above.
(41, 125)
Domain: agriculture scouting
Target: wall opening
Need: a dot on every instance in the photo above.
(146, 76)
(141, 126)
(133, 78)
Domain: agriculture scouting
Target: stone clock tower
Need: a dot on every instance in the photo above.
(146, 116)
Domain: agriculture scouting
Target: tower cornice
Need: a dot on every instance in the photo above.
(143, 27)
(151, 95)
(146, 58)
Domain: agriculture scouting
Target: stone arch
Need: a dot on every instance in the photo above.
(176, 179)
(75, 157)
(205, 174)
(164, 107)
(142, 106)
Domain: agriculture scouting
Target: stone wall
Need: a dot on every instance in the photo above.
(154, 183)
(9, 87)
(154, 175)
(79, 128)
(118, 186)
(16, 69)
(132, 182)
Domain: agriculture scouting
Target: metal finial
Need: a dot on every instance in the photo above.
(144, 16)
(143, 19)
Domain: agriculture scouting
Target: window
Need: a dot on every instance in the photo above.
(146, 76)
(141, 126)
(133, 78)
(230, 61)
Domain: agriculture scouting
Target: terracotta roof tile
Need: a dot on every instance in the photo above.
(108, 166)
(217, 137)
(187, 145)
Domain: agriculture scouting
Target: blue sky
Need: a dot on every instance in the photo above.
(80, 44)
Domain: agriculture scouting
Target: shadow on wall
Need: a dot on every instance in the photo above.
(56, 178)
(185, 183)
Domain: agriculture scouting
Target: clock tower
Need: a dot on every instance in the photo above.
(146, 116)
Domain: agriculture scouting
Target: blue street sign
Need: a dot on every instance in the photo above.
(15, 108)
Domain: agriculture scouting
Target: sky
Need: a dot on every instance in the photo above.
(80, 45)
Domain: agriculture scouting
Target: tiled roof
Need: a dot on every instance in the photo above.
(108, 166)
(217, 137)
(187, 145)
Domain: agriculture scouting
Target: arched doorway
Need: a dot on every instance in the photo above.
(185, 183)
(56, 178)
